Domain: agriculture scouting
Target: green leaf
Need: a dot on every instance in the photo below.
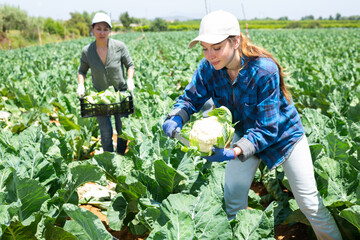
(354, 159)
(354, 109)
(30, 193)
(352, 214)
(132, 189)
(315, 124)
(208, 218)
(116, 213)
(255, 224)
(216, 180)
(137, 227)
(4, 178)
(223, 114)
(272, 184)
(296, 215)
(180, 227)
(316, 151)
(68, 124)
(148, 216)
(114, 166)
(79, 175)
(254, 200)
(354, 130)
(4, 215)
(19, 232)
(57, 233)
(91, 225)
(336, 148)
(26, 100)
(167, 177)
(337, 181)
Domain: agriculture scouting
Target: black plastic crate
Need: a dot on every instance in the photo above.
(123, 108)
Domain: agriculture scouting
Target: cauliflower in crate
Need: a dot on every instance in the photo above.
(106, 97)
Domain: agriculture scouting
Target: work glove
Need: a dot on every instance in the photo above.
(221, 155)
(130, 84)
(80, 90)
(171, 124)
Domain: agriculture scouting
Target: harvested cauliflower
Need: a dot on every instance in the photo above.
(216, 130)
(206, 131)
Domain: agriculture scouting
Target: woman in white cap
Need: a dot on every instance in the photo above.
(250, 82)
(107, 58)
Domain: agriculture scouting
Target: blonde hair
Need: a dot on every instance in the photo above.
(252, 51)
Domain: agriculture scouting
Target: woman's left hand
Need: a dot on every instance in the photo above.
(130, 84)
(221, 155)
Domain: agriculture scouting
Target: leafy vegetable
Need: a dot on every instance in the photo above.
(105, 97)
(214, 131)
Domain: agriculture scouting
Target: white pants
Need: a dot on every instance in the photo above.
(300, 173)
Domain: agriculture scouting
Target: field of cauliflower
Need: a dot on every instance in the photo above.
(48, 151)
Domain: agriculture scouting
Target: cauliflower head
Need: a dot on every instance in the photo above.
(205, 132)
(217, 130)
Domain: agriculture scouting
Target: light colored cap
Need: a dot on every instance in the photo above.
(101, 17)
(216, 27)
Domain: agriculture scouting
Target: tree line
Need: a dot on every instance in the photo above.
(13, 18)
(34, 28)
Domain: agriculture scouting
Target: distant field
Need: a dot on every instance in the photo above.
(276, 24)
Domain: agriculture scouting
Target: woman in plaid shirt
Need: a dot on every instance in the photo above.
(249, 81)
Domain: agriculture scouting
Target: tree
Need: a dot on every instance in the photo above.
(79, 23)
(125, 19)
(33, 28)
(159, 25)
(338, 16)
(354, 17)
(285, 18)
(50, 26)
(53, 27)
(309, 17)
(13, 18)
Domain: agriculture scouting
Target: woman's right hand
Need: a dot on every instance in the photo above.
(172, 124)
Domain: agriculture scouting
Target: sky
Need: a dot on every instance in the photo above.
(191, 9)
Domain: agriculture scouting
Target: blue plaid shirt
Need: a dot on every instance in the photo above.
(265, 118)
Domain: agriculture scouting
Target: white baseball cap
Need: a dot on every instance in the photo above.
(101, 17)
(216, 27)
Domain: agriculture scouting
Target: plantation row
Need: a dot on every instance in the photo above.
(160, 189)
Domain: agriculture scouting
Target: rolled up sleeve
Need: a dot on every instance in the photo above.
(84, 64)
(126, 58)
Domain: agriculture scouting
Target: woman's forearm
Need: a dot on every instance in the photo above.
(81, 78)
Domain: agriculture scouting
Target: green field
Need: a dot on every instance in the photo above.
(47, 149)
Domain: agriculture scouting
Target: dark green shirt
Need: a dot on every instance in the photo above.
(110, 74)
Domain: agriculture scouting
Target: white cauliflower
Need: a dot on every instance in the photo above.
(206, 131)
(214, 131)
